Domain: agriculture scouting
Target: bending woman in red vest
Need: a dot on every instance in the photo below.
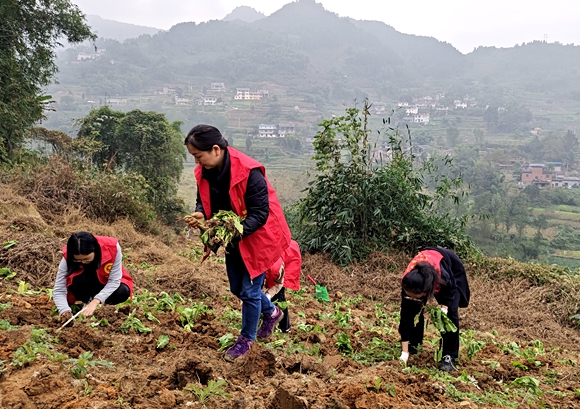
(433, 272)
(227, 179)
(91, 271)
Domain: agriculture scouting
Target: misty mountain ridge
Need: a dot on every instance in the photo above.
(303, 45)
(116, 30)
(245, 14)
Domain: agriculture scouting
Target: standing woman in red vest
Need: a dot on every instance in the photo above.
(228, 179)
(91, 271)
(433, 272)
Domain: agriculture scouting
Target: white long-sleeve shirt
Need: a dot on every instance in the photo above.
(60, 291)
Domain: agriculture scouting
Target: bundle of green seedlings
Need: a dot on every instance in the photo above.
(440, 320)
(220, 230)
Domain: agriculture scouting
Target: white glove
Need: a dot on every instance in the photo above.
(404, 357)
(444, 308)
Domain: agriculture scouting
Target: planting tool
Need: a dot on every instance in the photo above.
(71, 318)
(321, 291)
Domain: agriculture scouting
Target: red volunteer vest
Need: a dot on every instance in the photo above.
(292, 260)
(108, 253)
(266, 245)
(432, 257)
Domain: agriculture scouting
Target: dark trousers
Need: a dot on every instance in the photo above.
(450, 340)
(284, 325)
(86, 285)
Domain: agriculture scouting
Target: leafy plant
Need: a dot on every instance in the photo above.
(23, 289)
(9, 243)
(364, 199)
(5, 306)
(162, 341)
(188, 315)
(220, 230)
(5, 271)
(167, 302)
(473, 347)
(226, 341)
(5, 325)
(213, 389)
(39, 343)
(529, 383)
(81, 364)
(343, 344)
(135, 323)
(374, 352)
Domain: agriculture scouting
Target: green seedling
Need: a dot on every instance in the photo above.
(276, 344)
(519, 365)
(8, 275)
(162, 341)
(134, 323)
(213, 389)
(121, 402)
(80, 365)
(152, 317)
(283, 305)
(301, 326)
(374, 352)
(473, 347)
(9, 243)
(189, 315)
(167, 302)
(530, 384)
(226, 341)
(343, 344)
(6, 326)
(23, 289)
(103, 322)
(87, 388)
(39, 343)
(5, 306)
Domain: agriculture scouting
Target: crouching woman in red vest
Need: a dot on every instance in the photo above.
(433, 272)
(91, 271)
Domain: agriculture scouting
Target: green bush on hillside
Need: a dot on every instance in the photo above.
(363, 199)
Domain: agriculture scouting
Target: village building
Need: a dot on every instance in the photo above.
(284, 129)
(218, 86)
(267, 131)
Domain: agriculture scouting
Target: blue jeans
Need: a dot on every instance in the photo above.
(249, 291)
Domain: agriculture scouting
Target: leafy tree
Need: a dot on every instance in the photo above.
(29, 32)
(360, 201)
(141, 142)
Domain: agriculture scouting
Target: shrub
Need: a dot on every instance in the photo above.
(363, 199)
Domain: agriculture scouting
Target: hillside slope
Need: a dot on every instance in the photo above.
(340, 354)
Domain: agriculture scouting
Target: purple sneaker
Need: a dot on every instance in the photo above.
(240, 348)
(269, 321)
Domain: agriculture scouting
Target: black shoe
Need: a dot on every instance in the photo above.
(447, 364)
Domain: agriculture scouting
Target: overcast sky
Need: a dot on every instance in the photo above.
(464, 23)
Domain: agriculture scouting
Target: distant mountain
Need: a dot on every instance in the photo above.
(315, 53)
(244, 13)
(116, 30)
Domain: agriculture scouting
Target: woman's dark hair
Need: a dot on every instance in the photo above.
(204, 137)
(82, 243)
(423, 278)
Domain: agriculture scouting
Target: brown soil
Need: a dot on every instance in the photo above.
(144, 376)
